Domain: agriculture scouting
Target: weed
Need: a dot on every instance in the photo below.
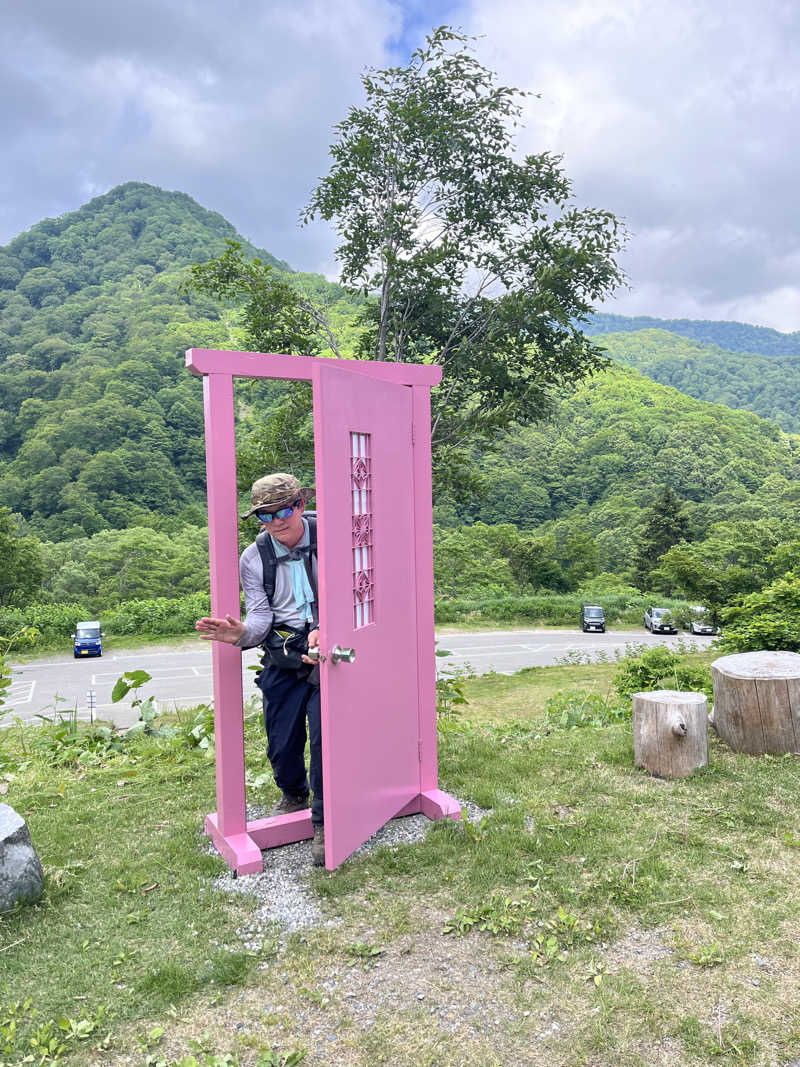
(363, 950)
(498, 915)
(569, 711)
(266, 1058)
(707, 955)
(31, 1039)
(450, 694)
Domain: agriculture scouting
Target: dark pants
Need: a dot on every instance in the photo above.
(288, 702)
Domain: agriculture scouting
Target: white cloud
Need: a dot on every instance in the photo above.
(678, 115)
(681, 117)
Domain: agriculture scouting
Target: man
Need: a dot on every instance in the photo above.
(282, 623)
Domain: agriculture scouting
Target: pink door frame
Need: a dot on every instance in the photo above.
(238, 841)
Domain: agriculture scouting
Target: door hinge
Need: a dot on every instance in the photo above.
(419, 750)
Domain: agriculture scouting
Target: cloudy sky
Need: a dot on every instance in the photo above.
(681, 116)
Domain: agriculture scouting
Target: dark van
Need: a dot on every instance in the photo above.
(88, 638)
(593, 618)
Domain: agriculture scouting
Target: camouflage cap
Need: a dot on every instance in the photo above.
(275, 491)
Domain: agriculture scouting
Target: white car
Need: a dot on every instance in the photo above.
(659, 621)
(700, 620)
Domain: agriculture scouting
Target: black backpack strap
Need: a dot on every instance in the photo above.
(269, 562)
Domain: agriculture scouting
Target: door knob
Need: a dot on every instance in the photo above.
(342, 655)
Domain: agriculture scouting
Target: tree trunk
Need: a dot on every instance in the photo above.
(670, 732)
(757, 701)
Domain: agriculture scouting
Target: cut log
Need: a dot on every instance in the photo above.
(757, 701)
(670, 732)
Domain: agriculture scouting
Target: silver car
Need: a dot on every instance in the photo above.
(659, 621)
(700, 620)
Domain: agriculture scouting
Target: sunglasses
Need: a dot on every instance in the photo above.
(282, 513)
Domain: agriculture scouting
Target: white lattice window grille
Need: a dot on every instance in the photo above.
(361, 489)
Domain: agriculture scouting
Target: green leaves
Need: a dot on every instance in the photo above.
(275, 316)
(659, 668)
(767, 619)
(473, 256)
(127, 681)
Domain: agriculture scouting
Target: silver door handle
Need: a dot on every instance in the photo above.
(342, 655)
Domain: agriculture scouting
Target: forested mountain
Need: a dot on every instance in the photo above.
(586, 478)
(769, 386)
(734, 336)
(100, 423)
(101, 429)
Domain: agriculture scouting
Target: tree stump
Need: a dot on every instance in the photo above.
(757, 701)
(670, 732)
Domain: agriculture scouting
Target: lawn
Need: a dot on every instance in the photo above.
(594, 915)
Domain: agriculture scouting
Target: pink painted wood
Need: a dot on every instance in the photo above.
(369, 707)
(408, 765)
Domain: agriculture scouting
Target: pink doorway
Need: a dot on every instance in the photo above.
(372, 449)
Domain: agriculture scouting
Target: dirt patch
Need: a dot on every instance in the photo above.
(637, 952)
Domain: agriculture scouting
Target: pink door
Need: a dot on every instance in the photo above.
(371, 761)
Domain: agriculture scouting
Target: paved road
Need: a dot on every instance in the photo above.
(181, 678)
(510, 651)
(182, 675)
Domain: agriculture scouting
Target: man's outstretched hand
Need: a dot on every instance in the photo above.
(228, 629)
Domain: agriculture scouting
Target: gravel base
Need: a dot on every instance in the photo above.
(283, 888)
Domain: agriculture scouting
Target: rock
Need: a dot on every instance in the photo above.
(21, 876)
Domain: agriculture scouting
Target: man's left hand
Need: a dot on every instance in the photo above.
(313, 642)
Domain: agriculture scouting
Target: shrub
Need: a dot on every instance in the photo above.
(658, 668)
(765, 620)
(626, 606)
(55, 622)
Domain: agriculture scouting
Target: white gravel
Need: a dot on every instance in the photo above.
(283, 888)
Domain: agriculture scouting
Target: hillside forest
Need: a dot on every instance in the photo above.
(673, 472)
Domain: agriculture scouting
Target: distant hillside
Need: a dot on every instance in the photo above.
(592, 470)
(767, 386)
(101, 426)
(100, 423)
(734, 336)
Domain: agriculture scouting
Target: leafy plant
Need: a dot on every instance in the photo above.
(707, 955)
(450, 693)
(363, 950)
(24, 635)
(498, 915)
(147, 709)
(578, 708)
(659, 668)
(765, 620)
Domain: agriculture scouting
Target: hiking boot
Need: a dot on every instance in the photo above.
(289, 803)
(318, 847)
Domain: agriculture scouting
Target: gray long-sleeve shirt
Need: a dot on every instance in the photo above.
(259, 612)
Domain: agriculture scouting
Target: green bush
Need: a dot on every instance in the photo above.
(767, 620)
(56, 622)
(562, 609)
(658, 668)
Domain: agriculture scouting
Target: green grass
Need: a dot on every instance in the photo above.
(596, 915)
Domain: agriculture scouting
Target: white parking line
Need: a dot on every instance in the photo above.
(25, 690)
(513, 650)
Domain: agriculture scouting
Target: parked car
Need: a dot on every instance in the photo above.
(700, 620)
(88, 639)
(660, 621)
(593, 618)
